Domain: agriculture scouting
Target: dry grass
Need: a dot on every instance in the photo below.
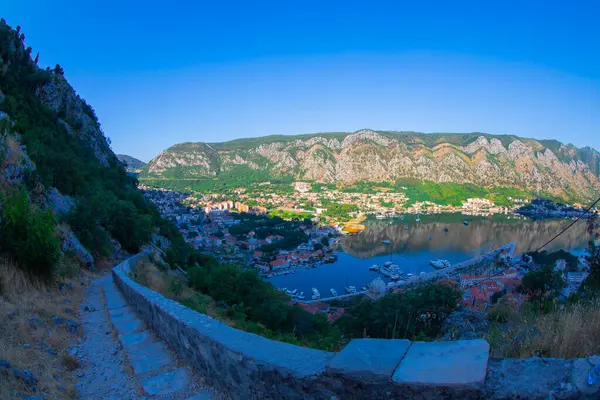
(174, 287)
(566, 332)
(15, 155)
(22, 301)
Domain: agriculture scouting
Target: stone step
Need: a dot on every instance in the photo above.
(200, 396)
(153, 364)
(167, 382)
(114, 298)
(148, 356)
(126, 321)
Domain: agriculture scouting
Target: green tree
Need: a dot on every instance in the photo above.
(28, 234)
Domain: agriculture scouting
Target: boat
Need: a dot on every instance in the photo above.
(386, 241)
(445, 229)
(333, 292)
(350, 289)
(379, 216)
(439, 264)
(316, 294)
(388, 264)
(395, 277)
(300, 296)
(364, 288)
(466, 223)
(418, 219)
(374, 267)
(409, 275)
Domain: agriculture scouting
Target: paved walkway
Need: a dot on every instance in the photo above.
(122, 359)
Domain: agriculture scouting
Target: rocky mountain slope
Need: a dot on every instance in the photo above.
(58, 174)
(481, 159)
(132, 164)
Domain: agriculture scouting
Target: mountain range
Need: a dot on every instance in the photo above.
(548, 166)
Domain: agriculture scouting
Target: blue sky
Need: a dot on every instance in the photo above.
(159, 73)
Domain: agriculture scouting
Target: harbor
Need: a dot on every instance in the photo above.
(430, 249)
(506, 251)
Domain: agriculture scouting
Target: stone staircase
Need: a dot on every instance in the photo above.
(157, 371)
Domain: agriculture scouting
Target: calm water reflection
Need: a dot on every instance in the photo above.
(414, 244)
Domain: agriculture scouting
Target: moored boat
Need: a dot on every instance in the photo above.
(439, 264)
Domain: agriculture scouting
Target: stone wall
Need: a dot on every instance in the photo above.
(248, 366)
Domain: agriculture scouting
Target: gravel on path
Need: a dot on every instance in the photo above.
(104, 372)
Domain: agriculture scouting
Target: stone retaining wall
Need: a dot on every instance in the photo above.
(248, 366)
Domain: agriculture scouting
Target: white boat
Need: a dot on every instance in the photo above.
(439, 264)
(379, 216)
(385, 241)
(409, 275)
(364, 288)
(388, 264)
(350, 289)
(316, 294)
(374, 267)
(395, 277)
(333, 292)
(301, 297)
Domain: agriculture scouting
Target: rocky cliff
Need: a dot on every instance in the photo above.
(481, 159)
(54, 154)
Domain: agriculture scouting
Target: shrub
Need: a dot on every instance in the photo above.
(28, 235)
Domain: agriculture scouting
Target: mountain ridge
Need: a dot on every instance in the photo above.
(562, 170)
(132, 164)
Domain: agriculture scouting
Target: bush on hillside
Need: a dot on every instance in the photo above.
(28, 235)
(415, 314)
(252, 300)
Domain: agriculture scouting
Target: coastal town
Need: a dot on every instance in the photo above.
(233, 231)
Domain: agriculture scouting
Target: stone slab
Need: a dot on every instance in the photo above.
(114, 299)
(200, 396)
(127, 323)
(152, 356)
(526, 378)
(167, 382)
(459, 364)
(369, 359)
(132, 340)
(579, 376)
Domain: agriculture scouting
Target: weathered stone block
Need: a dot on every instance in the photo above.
(167, 383)
(528, 378)
(200, 396)
(369, 359)
(127, 323)
(460, 364)
(134, 339)
(579, 376)
(114, 299)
